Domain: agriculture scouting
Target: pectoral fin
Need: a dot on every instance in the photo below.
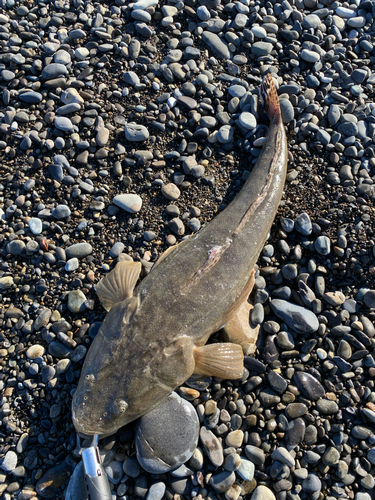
(241, 331)
(119, 284)
(219, 360)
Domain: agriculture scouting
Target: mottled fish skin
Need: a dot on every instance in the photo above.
(145, 346)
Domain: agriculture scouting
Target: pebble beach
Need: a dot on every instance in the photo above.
(126, 127)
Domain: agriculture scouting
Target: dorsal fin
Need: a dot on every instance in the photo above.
(119, 284)
(165, 254)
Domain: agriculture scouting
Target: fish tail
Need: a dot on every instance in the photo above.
(269, 98)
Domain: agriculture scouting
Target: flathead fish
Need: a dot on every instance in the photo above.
(154, 335)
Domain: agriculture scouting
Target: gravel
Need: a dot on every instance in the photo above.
(109, 113)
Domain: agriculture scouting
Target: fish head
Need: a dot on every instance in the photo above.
(124, 375)
(101, 400)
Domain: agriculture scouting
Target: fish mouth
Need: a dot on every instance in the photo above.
(81, 425)
(86, 429)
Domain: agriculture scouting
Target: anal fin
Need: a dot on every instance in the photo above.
(240, 330)
(119, 284)
(223, 360)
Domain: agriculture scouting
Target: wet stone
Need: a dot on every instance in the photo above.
(294, 410)
(309, 386)
(327, 407)
(295, 433)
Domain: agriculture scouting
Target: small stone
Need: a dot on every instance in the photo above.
(234, 439)
(136, 133)
(156, 491)
(311, 484)
(61, 212)
(53, 71)
(35, 225)
(255, 454)
(310, 56)
(6, 282)
(115, 471)
(72, 265)
(212, 446)
(323, 245)
(31, 97)
(260, 49)
(76, 301)
(369, 299)
(131, 203)
(247, 121)
(131, 78)
(246, 470)
(262, 493)
(177, 226)
(79, 250)
(283, 456)
(9, 462)
(299, 318)
(49, 484)
(331, 456)
(309, 385)
(327, 407)
(217, 45)
(16, 247)
(116, 249)
(303, 224)
(170, 191)
(223, 481)
(63, 123)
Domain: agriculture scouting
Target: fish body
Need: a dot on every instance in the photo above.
(153, 337)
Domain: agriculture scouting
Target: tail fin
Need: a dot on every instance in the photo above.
(269, 99)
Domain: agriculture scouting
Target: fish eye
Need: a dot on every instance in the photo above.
(120, 406)
(105, 414)
(89, 380)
